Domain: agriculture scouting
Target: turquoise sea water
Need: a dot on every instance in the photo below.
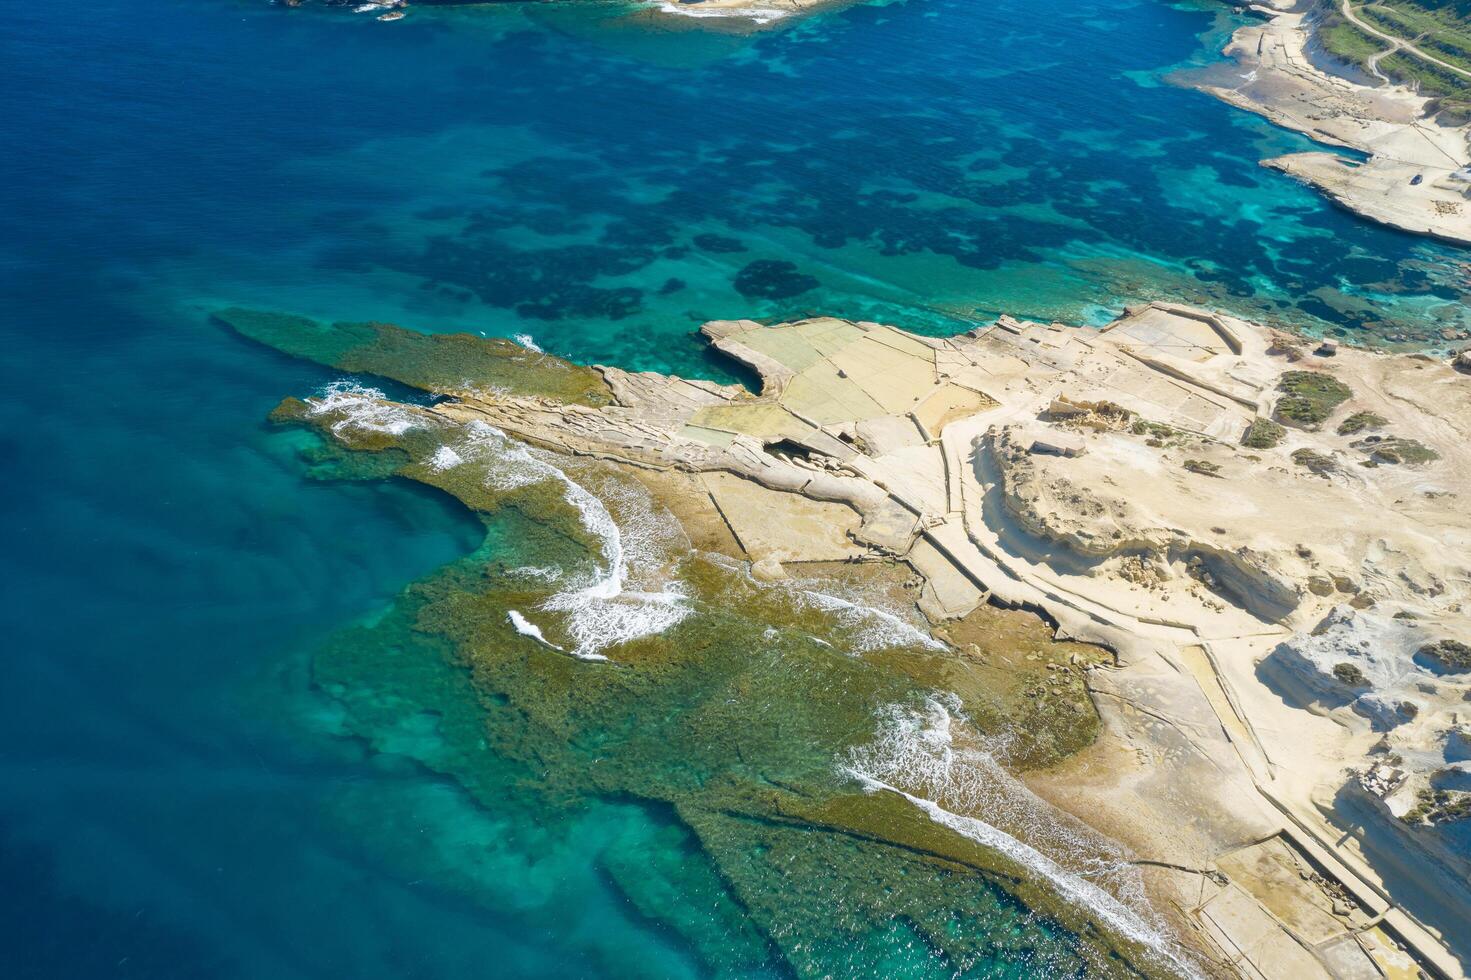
(178, 801)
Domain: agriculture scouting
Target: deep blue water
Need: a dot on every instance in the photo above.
(174, 802)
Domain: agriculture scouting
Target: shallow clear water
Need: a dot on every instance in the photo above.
(177, 800)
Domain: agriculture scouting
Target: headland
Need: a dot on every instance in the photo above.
(1414, 175)
(1267, 536)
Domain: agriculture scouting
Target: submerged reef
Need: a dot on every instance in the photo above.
(431, 362)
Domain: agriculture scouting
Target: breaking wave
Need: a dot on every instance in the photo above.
(608, 605)
(546, 573)
(360, 407)
(931, 758)
(757, 15)
(873, 628)
(529, 342)
(444, 458)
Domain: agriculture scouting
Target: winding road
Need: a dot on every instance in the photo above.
(1397, 44)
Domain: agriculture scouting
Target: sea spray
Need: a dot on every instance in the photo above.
(874, 628)
(931, 759)
(526, 627)
(444, 458)
(603, 610)
(360, 407)
(865, 624)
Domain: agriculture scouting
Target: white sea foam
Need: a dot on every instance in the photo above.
(545, 573)
(529, 342)
(603, 608)
(360, 407)
(873, 628)
(759, 15)
(526, 627)
(932, 759)
(444, 458)
(483, 392)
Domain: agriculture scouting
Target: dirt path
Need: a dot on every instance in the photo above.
(1400, 44)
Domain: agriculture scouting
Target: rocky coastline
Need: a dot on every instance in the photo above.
(1265, 533)
(1414, 174)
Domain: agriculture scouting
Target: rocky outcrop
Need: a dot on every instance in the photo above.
(1092, 525)
(1231, 582)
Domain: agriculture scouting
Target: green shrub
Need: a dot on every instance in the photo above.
(1359, 421)
(1314, 461)
(1263, 434)
(1394, 451)
(1451, 655)
(1309, 397)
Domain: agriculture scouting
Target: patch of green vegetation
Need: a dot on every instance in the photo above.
(1345, 41)
(1158, 433)
(1203, 467)
(1315, 461)
(1394, 451)
(1359, 421)
(1441, 30)
(1143, 427)
(1438, 806)
(1263, 434)
(1350, 674)
(1448, 655)
(1309, 397)
(1426, 78)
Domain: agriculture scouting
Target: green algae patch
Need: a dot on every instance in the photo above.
(788, 861)
(1020, 682)
(1309, 397)
(430, 362)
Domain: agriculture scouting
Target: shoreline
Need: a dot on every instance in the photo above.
(1277, 77)
(993, 464)
(735, 16)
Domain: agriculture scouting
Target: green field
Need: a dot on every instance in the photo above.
(1346, 41)
(1438, 28)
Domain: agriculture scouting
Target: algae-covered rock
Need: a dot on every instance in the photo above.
(431, 362)
(1314, 461)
